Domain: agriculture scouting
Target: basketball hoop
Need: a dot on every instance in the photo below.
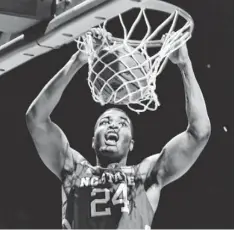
(144, 96)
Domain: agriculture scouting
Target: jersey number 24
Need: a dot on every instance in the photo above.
(119, 197)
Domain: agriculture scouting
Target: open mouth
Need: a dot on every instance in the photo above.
(111, 138)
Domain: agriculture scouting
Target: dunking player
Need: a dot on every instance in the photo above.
(111, 194)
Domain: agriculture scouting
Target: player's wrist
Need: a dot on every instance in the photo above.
(184, 63)
(78, 58)
(82, 59)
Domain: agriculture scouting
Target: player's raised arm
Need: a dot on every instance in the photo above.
(181, 152)
(50, 141)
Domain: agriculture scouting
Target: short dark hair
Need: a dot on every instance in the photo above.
(120, 110)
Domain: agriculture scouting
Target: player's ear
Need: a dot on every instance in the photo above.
(93, 143)
(132, 145)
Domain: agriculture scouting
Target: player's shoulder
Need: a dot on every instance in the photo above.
(128, 169)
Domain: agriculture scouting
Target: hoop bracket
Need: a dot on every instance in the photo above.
(63, 29)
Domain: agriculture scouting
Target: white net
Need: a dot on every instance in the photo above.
(121, 71)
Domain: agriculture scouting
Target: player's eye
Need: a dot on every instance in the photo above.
(104, 122)
(123, 124)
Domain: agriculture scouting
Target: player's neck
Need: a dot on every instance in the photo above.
(104, 163)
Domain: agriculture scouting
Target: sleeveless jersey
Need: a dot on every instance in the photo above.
(98, 198)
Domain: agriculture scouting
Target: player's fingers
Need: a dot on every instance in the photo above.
(187, 27)
(109, 37)
(94, 33)
(182, 39)
(175, 37)
(164, 37)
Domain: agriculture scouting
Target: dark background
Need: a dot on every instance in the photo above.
(30, 194)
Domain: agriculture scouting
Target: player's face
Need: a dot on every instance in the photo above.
(113, 136)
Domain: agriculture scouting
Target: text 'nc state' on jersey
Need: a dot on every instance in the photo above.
(105, 178)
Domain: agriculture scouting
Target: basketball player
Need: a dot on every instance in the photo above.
(111, 194)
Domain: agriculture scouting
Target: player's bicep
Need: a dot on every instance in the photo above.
(51, 144)
(177, 157)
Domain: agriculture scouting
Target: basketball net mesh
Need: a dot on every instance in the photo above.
(147, 99)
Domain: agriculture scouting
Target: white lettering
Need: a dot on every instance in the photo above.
(110, 177)
(85, 181)
(103, 179)
(118, 177)
(94, 181)
(131, 180)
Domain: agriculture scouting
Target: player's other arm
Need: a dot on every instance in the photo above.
(50, 141)
(181, 152)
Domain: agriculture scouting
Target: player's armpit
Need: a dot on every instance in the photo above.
(51, 144)
(72, 159)
(175, 159)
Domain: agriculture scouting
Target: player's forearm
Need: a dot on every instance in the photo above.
(198, 120)
(49, 97)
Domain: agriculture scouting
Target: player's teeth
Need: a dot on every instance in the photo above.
(112, 137)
